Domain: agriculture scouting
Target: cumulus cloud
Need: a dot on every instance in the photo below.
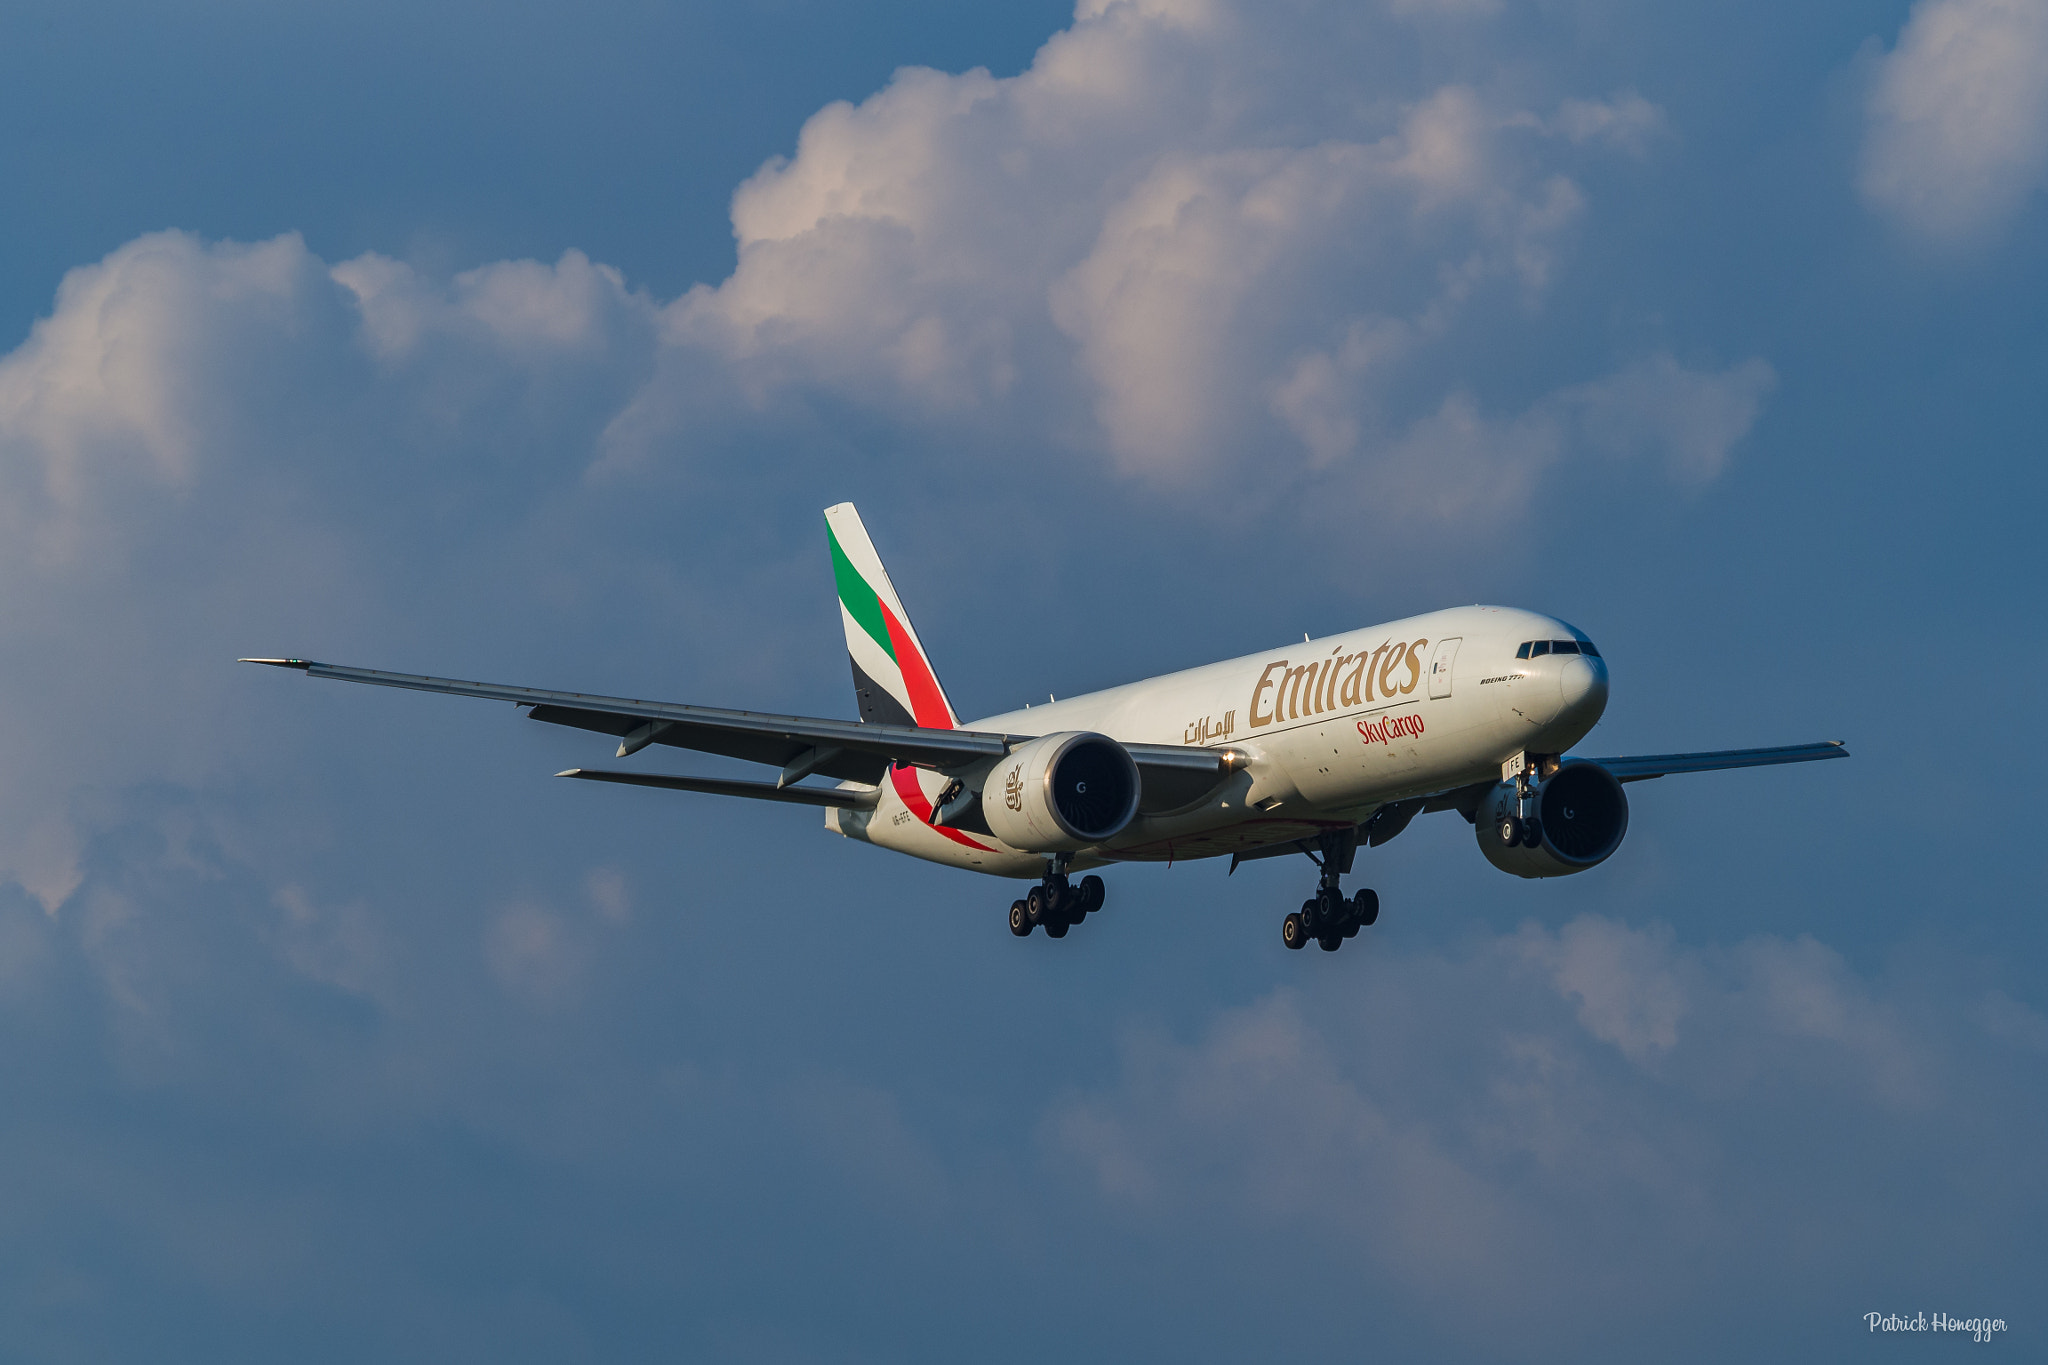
(1243, 283)
(1586, 1138)
(207, 441)
(535, 954)
(1957, 121)
(1627, 121)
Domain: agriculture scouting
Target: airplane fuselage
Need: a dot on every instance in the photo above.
(1331, 730)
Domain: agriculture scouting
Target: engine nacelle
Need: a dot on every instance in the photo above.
(1061, 793)
(1582, 813)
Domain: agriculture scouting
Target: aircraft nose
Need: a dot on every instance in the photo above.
(1582, 686)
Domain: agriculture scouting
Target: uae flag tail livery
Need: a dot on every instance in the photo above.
(893, 681)
(1322, 748)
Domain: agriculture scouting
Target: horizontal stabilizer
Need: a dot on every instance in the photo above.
(1657, 765)
(719, 786)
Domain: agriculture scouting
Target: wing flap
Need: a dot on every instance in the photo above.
(720, 786)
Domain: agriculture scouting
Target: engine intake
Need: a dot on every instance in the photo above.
(1061, 793)
(1581, 816)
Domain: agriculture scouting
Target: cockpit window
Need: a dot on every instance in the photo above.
(1536, 649)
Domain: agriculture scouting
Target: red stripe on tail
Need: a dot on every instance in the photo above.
(927, 703)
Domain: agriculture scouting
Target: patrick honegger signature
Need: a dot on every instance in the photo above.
(1980, 1329)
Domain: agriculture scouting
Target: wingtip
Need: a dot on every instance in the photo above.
(280, 663)
(570, 772)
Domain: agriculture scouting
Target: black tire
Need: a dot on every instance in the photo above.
(1330, 943)
(1310, 916)
(1036, 907)
(1509, 831)
(1092, 893)
(1365, 907)
(1057, 928)
(1293, 932)
(1020, 919)
(1351, 928)
(1532, 832)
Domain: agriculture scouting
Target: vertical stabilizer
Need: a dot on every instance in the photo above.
(892, 678)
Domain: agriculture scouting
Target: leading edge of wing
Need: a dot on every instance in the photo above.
(1658, 765)
(721, 786)
(899, 743)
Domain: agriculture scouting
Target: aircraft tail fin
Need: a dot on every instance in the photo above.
(892, 677)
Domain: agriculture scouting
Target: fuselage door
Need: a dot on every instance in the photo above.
(1440, 666)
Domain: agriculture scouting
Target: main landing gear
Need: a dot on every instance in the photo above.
(1521, 826)
(1327, 917)
(1056, 903)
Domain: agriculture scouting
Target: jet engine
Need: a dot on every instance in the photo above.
(1580, 815)
(1061, 792)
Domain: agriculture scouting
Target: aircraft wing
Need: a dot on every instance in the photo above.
(846, 749)
(800, 745)
(1658, 765)
(1394, 817)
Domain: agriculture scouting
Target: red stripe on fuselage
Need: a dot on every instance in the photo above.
(907, 786)
(927, 703)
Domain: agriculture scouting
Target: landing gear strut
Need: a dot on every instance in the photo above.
(1056, 903)
(1327, 917)
(1521, 826)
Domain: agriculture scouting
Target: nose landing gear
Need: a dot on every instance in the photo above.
(1056, 904)
(1328, 917)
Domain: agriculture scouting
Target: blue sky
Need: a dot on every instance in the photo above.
(527, 342)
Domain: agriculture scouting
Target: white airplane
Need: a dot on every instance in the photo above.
(1314, 748)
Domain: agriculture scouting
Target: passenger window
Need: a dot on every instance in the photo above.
(1586, 648)
(1564, 646)
(1539, 648)
(1523, 652)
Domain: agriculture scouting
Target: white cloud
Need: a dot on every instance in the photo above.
(1957, 121)
(1627, 121)
(535, 955)
(609, 894)
(207, 442)
(1240, 277)
(1581, 1114)
(1622, 979)
(342, 946)
(1691, 418)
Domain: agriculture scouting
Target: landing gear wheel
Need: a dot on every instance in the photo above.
(1056, 928)
(1365, 908)
(1092, 892)
(1020, 919)
(1532, 832)
(1510, 831)
(1037, 908)
(1293, 932)
(1330, 943)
